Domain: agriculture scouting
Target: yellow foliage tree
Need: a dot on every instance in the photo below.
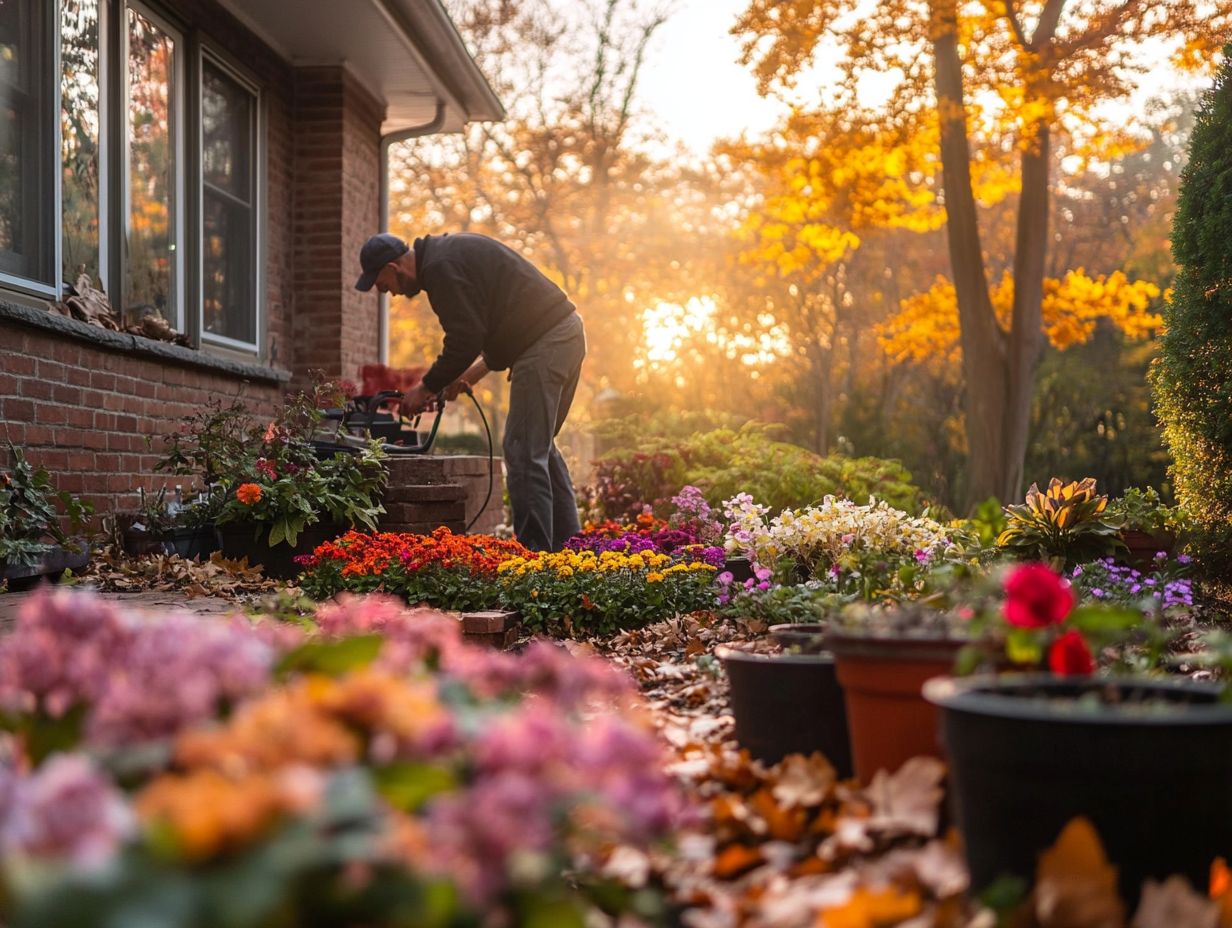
(926, 328)
(1028, 79)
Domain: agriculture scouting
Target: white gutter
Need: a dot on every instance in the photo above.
(428, 128)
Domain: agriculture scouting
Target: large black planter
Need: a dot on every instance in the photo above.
(787, 704)
(1026, 758)
(189, 543)
(800, 637)
(279, 561)
(51, 566)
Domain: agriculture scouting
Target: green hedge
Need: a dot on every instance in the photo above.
(1192, 378)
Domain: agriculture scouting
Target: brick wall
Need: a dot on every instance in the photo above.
(336, 207)
(85, 412)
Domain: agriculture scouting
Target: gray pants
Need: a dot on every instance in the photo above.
(541, 387)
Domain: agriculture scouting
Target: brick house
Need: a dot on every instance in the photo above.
(213, 167)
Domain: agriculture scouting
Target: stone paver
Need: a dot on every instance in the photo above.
(153, 602)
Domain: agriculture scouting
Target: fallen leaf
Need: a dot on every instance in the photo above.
(872, 908)
(1075, 886)
(804, 781)
(908, 800)
(1172, 903)
(736, 859)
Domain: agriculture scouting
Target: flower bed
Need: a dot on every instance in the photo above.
(442, 569)
(381, 773)
(590, 593)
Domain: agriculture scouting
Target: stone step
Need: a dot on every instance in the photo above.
(425, 493)
(439, 512)
(416, 470)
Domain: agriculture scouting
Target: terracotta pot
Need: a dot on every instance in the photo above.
(882, 679)
(1143, 546)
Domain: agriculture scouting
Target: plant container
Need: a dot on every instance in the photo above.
(1143, 546)
(51, 565)
(236, 541)
(188, 543)
(882, 678)
(1149, 762)
(800, 637)
(740, 568)
(787, 704)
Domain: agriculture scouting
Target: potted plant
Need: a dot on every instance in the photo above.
(277, 498)
(183, 528)
(1064, 525)
(1134, 754)
(1147, 525)
(784, 695)
(32, 544)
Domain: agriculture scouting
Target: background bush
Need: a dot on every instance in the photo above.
(1192, 378)
(724, 462)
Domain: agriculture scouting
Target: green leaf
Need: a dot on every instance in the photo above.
(1023, 647)
(408, 786)
(1104, 619)
(278, 531)
(332, 658)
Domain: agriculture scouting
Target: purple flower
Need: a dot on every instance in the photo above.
(1097, 593)
(66, 809)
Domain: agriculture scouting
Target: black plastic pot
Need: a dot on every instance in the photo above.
(1026, 758)
(740, 568)
(787, 704)
(237, 541)
(192, 543)
(801, 637)
(51, 566)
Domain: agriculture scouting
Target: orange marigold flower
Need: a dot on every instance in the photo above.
(248, 493)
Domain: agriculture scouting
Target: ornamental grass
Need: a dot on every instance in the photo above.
(442, 569)
(379, 771)
(581, 593)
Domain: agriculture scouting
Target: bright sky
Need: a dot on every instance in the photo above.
(692, 82)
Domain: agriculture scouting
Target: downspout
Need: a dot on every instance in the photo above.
(402, 135)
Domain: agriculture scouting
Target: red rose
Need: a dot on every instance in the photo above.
(1035, 597)
(1069, 656)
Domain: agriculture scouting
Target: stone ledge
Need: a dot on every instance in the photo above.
(494, 628)
(139, 345)
(425, 493)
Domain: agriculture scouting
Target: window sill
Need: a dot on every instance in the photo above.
(139, 345)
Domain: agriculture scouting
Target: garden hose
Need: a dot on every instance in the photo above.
(491, 458)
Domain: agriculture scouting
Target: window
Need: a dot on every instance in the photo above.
(228, 207)
(81, 155)
(153, 267)
(27, 133)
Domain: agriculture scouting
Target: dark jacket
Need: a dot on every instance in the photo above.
(489, 299)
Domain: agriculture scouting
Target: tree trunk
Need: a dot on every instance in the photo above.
(983, 342)
(1026, 339)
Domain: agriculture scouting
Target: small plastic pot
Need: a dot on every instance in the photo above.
(787, 704)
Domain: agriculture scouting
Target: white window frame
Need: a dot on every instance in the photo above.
(178, 119)
(215, 58)
(49, 229)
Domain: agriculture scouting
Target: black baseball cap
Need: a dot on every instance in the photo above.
(377, 252)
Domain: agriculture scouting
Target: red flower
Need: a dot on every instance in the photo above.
(266, 467)
(1035, 597)
(1069, 656)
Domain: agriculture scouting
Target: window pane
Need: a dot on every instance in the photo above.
(151, 261)
(25, 181)
(79, 138)
(228, 248)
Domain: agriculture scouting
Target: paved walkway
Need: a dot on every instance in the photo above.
(154, 602)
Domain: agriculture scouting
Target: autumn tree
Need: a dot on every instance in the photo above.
(1028, 78)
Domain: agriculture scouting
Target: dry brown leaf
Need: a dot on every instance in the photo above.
(736, 859)
(1075, 886)
(872, 908)
(804, 781)
(907, 801)
(1174, 903)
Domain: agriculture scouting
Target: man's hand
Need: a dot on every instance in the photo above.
(416, 400)
(455, 389)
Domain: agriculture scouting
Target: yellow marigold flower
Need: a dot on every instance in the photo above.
(654, 577)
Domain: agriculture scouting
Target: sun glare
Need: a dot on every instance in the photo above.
(673, 333)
